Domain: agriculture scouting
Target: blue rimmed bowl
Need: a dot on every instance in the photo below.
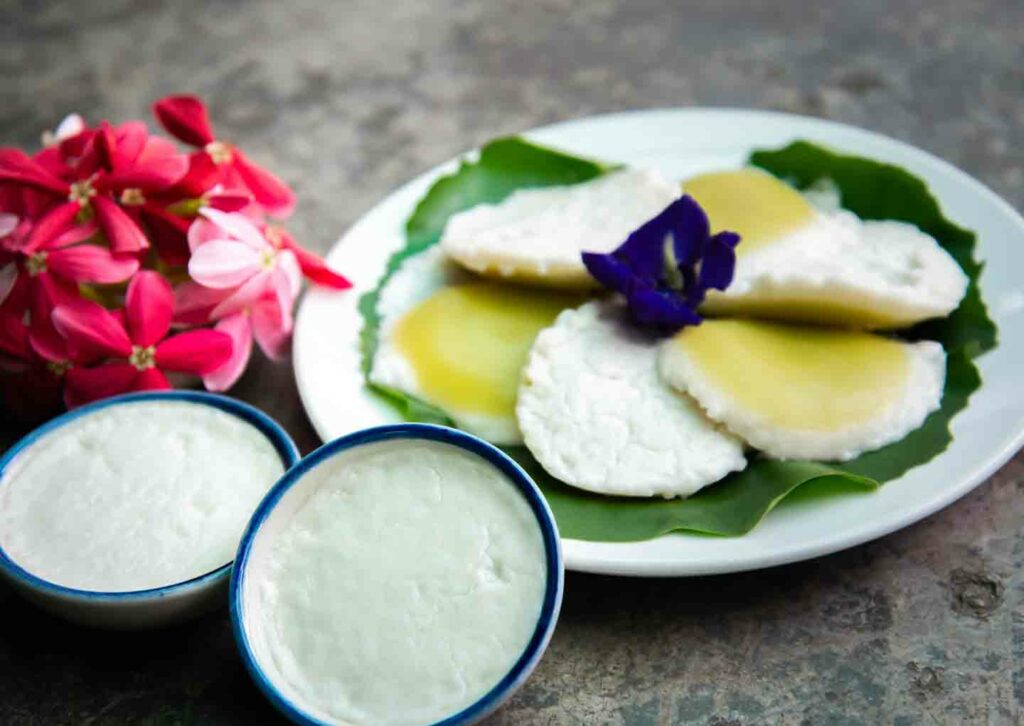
(153, 607)
(242, 616)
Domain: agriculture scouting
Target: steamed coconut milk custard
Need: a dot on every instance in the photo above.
(397, 582)
(135, 496)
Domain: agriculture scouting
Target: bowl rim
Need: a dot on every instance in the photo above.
(270, 428)
(554, 585)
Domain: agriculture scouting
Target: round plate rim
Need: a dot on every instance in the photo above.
(576, 553)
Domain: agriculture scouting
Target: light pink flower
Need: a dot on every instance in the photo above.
(70, 127)
(243, 282)
(230, 252)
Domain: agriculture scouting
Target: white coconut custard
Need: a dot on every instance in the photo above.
(396, 582)
(460, 342)
(135, 495)
(537, 235)
(597, 416)
(823, 264)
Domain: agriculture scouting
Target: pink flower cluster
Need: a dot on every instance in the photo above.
(96, 226)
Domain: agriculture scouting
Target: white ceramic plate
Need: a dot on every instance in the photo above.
(682, 142)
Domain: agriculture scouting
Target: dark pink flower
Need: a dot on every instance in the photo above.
(52, 271)
(135, 343)
(117, 167)
(313, 266)
(50, 276)
(8, 260)
(186, 118)
(34, 363)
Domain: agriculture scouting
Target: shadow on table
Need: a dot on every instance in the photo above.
(703, 601)
(54, 672)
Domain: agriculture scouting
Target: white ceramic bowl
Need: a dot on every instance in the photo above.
(280, 503)
(154, 607)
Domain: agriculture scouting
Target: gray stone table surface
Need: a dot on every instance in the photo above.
(346, 99)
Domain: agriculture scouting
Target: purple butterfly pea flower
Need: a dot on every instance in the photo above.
(665, 268)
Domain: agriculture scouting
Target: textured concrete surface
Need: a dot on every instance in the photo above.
(349, 99)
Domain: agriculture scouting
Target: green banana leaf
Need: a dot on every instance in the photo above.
(736, 504)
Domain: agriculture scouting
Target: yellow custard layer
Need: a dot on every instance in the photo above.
(469, 343)
(863, 313)
(799, 377)
(752, 203)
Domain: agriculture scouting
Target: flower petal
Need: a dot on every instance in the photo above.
(202, 231)
(19, 295)
(14, 337)
(8, 274)
(238, 327)
(225, 201)
(719, 261)
(12, 200)
(643, 252)
(194, 303)
(17, 166)
(223, 263)
(71, 125)
(690, 228)
(313, 266)
(317, 271)
(199, 352)
(46, 292)
(76, 234)
(608, 270)
(36, 202)
(52, 161)
(151, 379)
(73, 147)
(202, 175)
(51, 290)
(272, 329)
(159, 165)
(122, 145)
(269, 192)
(93, 157)
(55, 223)
(47, 342)
(185, 117)
(660, 310)
(91, 263)
(256, 287)
(149, 307)
(121, 231)
(92, 326)
(288, 269)
(84, 385)
(237, 226)
(665, 267)
(167, 234)
(8, 223)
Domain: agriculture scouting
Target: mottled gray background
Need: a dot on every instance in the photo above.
(346, 100)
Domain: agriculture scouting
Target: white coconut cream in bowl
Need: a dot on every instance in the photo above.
(406, 574)
(127, 513)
